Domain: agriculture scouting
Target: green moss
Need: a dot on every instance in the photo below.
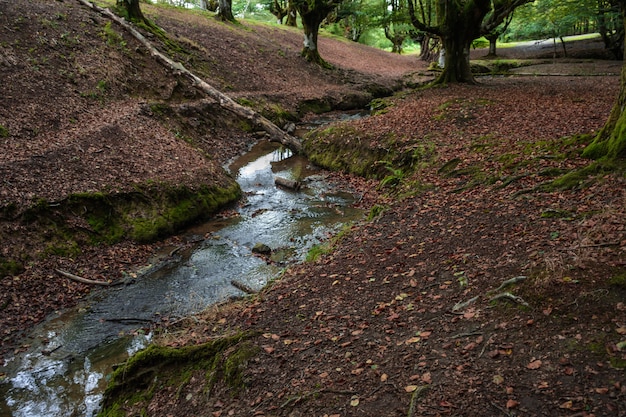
(316, 251)
(178, 208)
(317, 106)
(617, 363)
(4, 132)
(156, 367)
(10, 267)
(618, 280)
(580, 178)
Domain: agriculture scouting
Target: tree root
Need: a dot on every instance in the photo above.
(515, 298)
(417, 395)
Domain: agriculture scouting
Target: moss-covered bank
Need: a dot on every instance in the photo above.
(221, 361)
(342, 147)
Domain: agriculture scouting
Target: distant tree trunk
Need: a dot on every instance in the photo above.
(610, 142)
(493, 39)
(312, 13)
(131, 9)
(292, 15)
(278, 10)
(225, 11)
(396, 40)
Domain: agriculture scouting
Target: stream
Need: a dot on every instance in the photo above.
(64, 372)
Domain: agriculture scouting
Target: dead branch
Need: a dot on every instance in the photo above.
(83, 280)
(275, 133)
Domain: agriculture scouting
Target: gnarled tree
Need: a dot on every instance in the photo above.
(458, 23)
(312, 13)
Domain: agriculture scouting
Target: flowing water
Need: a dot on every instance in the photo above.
(64, 371)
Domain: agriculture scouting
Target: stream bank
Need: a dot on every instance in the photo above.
(64, 370)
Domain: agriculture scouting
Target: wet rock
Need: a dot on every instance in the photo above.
(262, 249)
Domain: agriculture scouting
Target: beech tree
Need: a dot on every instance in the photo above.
(458, 23)
(610, 143)
(225, 11)
(312, 13)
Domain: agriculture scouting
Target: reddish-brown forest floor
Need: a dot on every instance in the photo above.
(400, 315)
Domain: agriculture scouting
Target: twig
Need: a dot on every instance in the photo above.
(83, 280)
(469, 334)
(417, 394)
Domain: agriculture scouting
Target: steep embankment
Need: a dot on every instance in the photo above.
(103, 147)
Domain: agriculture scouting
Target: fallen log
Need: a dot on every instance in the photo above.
(284, 182)
(275, 133)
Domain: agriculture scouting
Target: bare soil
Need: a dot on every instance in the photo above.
(400, 318)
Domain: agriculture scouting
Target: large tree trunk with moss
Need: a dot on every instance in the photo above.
(462, 25)
(131, 9)
(611, 141)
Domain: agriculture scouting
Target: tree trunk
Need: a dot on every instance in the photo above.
(461, 24)
(225, 12)
(292, 15)
(131, 10)
(457, 63)
(493, 40)
(610, 142)
(311, 31)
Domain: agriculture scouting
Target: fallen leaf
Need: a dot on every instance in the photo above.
(354, 402)
(498, 379)
(536, 364)
(412, 340)
(621, 330)
(384, 377)
(268, 349)
(410, 388)
(602, 390)
(567, 405)
(511, 404)
(426, 378)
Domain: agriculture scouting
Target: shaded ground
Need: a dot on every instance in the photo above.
(398, 319)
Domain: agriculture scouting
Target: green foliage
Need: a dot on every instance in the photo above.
(4, 132)
(375, 211)
(111, 37)
(394, 178)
